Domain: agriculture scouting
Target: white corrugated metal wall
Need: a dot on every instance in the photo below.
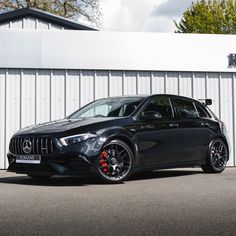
(33, 96)
(30, 23)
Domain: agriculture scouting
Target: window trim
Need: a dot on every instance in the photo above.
(196, 109)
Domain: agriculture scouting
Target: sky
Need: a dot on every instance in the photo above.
(142, 15)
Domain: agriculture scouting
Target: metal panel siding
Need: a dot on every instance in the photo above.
(213, 91)
(199, 83)
(226, 107)
(158, 82)
(172, 86)
(233, 144)
(185, 84)
(101, 84)
(42, 25)
(144, 82)
(2, 117)
(72, 91)
(29, 23)
(18, 24)
(36, 96)
(116, 83)
(130, 83)
(55, 27)
(13, 110)
(43, 92)
(28, 98)
(57, 94)
(87, 87)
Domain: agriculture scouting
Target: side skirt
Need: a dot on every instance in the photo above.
(170, 166)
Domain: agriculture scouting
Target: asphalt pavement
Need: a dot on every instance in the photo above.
(167, 202)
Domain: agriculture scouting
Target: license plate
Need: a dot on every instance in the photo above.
(28, 159)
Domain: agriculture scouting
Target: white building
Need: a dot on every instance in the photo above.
(47, 72)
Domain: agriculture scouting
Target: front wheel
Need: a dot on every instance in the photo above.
(217, 157)
(115, 162)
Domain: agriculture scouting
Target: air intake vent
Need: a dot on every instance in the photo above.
(34, 146)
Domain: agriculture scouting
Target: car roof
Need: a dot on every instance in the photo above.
(153, 95)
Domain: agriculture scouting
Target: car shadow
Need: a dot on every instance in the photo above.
(56, 181)
(159, 174)
(68, 181)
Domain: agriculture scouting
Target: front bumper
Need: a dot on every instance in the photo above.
(56, 166)
(76, 159)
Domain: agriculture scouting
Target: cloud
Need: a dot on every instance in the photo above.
(169, 9)
(142, 15)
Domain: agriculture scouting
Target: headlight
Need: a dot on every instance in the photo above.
(76, 138)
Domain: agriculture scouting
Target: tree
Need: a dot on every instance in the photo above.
(89, 9)
(211, 17)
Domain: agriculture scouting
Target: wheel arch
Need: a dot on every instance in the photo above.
(125, 140)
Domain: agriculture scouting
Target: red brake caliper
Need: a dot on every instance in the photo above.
(103, 161)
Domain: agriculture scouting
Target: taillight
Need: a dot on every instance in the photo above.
(223, 128)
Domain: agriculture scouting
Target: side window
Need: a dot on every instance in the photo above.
(185, 108)
(201, 111)
(158, 108)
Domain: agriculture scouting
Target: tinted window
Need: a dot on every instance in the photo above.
(185, 108)
(159, 107)
(201, 111)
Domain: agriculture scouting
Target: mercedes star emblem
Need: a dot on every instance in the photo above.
(26, 146)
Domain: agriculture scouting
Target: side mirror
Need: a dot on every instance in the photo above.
(151, 115)
(207, 101)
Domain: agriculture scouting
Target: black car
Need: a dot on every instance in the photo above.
(115, 137)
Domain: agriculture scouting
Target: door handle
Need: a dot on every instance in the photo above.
(204, 124)
(174, 125)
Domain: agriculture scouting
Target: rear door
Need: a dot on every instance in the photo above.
(195, 130)
(158, 134)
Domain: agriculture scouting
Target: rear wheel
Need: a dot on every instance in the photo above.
(115, 162)
(217, 157)
(40, 177)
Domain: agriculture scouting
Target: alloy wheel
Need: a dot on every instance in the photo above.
(219, 155)
(115, 162)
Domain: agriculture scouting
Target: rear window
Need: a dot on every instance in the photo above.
(185, 108)
(202, 112)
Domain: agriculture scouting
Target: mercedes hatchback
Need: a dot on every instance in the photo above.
(115, 137)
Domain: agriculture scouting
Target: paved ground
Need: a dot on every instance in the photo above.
(170, 202)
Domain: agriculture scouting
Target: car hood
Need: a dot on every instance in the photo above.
(69, 126)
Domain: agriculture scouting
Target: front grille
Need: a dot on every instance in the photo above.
(38, 146)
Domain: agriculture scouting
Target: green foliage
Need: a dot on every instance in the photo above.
(211, 17)
(88, 9)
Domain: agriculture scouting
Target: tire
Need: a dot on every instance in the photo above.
(217, 157)
(115, 162)
(40, 177)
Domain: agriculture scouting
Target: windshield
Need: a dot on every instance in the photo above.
(109, 107)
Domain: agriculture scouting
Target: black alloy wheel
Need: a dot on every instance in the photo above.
(217, 158)
(115, 162)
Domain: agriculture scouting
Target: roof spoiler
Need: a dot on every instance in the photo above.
(207, 102)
